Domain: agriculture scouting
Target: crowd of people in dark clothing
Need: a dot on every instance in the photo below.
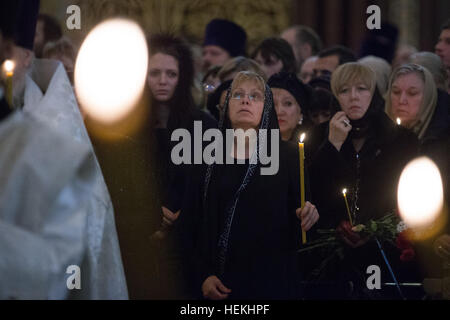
(226, 231)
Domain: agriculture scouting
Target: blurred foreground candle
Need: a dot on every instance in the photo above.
(420, 193)
(8, 66)
(301, 149)
(344, 192)
(111, 69)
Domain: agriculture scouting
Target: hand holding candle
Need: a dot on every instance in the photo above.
(301, 148)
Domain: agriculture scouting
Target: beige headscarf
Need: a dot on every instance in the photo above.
(429, 100)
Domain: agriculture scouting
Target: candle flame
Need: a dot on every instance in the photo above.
(399, 121)
(9, 66)
(111, 70)
(344, 191)
(302, 137)
(420, 193)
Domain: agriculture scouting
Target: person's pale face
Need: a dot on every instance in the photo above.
(288, 112)
(443, 47)
(214, 56)
(406, 98)
(354, 100)
(271, 66)
(163, 75)
(244, 112)
(307, 69)
(325, 65)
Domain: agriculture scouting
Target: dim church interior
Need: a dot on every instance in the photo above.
(337, 21)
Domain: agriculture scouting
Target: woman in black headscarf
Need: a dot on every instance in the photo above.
(249, 223)
(365, 152)
(291, 99)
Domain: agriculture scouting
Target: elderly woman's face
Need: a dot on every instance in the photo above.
(163, 75)
(354, 100)
(406, 98)
(288, 112)
(246, 105)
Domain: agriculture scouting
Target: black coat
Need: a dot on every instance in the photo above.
(436, 141)
(435, 144)
(262, 259)
(141, 177)
(373, 174)
(375, 169)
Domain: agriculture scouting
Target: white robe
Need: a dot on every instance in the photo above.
(45, 182)
(49, 96)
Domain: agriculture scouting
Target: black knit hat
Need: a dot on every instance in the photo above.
(289, 81)
(227, 35)
(18, 21)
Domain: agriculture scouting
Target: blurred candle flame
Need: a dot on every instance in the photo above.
(111, 69)
(399, 121)
(302, 137)
(420, 193)
(9, 66)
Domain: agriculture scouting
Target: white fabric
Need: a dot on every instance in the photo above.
(49, 96)
(45, 182)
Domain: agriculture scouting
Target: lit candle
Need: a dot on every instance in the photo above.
(399, 121)
(9, 70)
(301, 149)
(344, 192)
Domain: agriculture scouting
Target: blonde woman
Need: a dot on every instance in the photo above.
(365, 153)
(250, 221)
(412, 96)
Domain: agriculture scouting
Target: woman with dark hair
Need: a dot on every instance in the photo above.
(275, 55)
(365, 152)
(147, 189)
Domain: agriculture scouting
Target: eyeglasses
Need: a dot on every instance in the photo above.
(253, 97)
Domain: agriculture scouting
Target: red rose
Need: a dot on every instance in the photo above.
(407, 255)
(402, 242)
(352, 238)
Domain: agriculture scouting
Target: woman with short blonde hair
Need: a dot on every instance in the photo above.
(365, 152)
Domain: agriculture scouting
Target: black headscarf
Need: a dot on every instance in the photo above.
(289, 82)
(211, 193)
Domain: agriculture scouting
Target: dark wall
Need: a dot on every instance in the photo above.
(344, 21)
